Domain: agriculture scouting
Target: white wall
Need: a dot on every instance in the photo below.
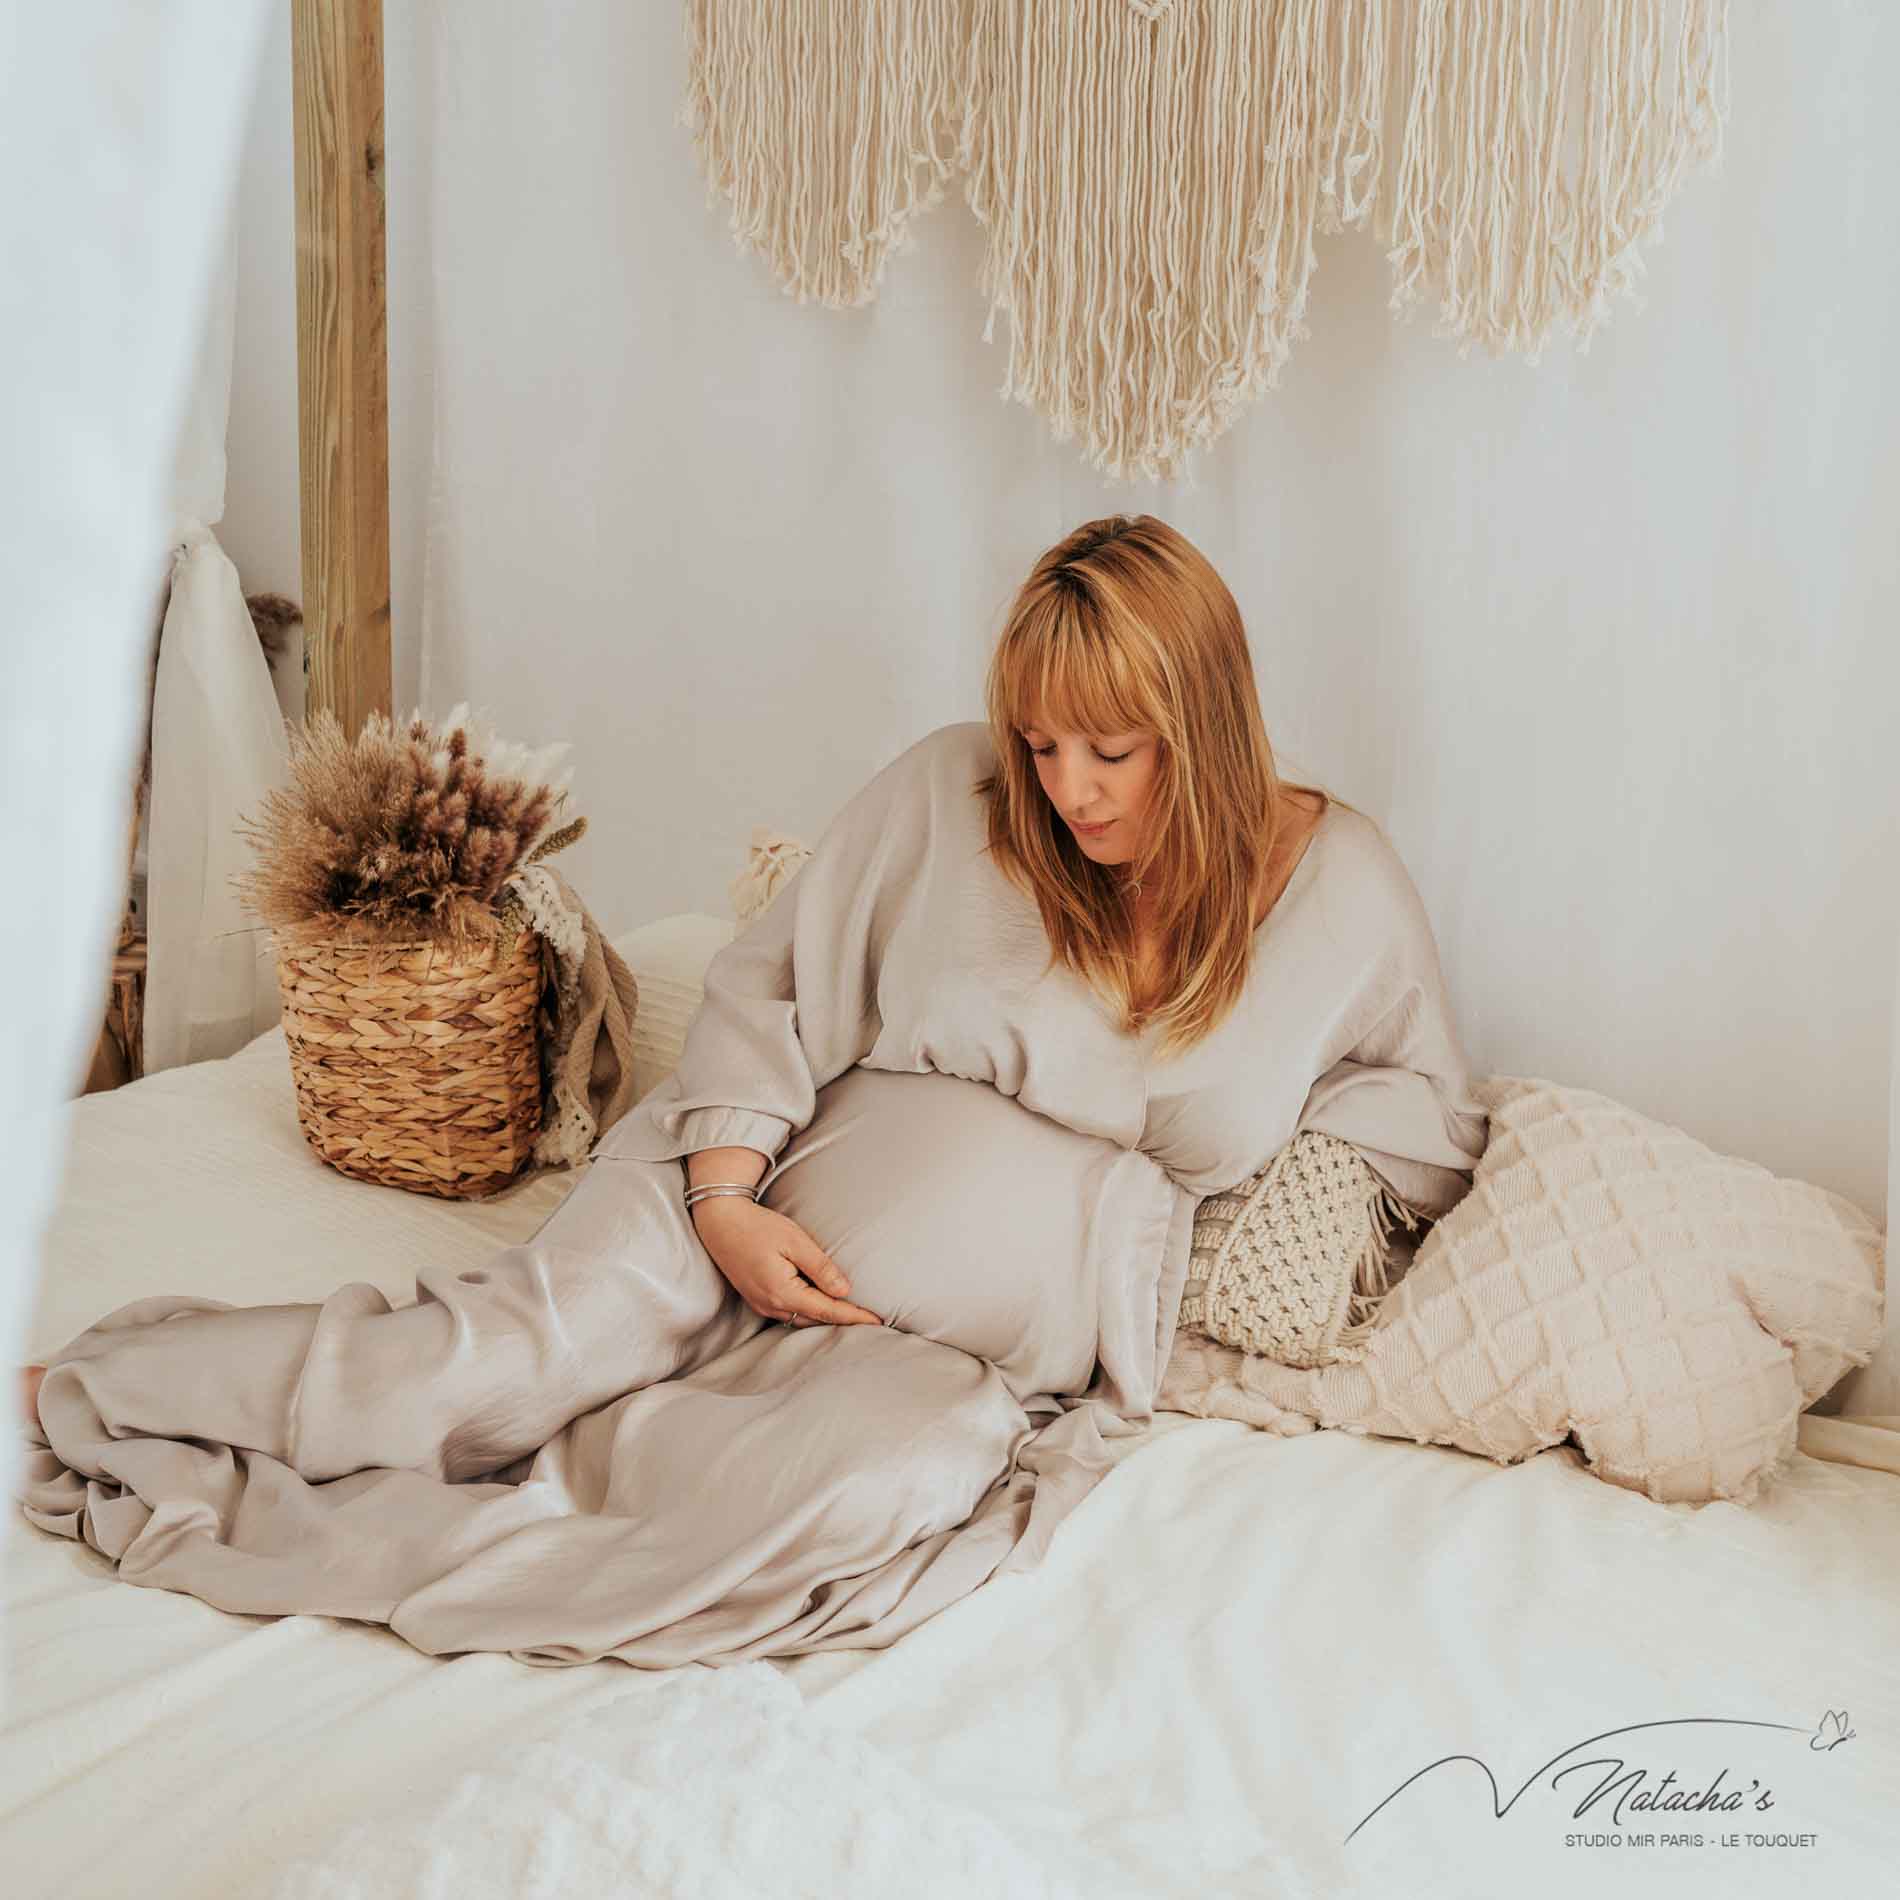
(1609, 644)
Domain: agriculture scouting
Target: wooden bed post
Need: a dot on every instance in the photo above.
(342, 355)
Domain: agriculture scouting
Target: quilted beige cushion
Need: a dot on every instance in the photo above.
(1606, 1278)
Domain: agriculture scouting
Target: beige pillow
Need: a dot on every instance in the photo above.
(669, 957)
(1607, 1279)
(1293, 1262)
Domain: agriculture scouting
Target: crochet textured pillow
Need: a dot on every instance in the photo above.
(1293, 1262)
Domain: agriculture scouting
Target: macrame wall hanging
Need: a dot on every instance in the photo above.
(1152, 173)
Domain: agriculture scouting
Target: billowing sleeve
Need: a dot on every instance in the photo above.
(791, 1002)
(1401, 1094)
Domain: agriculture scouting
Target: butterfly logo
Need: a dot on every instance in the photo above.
(1832, 1732)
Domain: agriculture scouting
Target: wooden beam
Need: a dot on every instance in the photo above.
(342, 355)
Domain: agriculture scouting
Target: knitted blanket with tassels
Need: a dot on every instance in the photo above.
(588, 1001)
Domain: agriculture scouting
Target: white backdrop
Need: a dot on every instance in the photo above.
(119, 128)
(1608, 644)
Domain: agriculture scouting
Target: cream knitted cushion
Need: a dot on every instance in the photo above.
(669, 957)
(1607, 1279)
(1291, 1264)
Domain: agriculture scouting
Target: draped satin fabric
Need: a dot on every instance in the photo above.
(590, 1446)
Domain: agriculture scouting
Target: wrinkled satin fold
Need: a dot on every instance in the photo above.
(588, 1446)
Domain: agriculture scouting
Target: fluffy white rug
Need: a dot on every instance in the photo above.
(704, 1784)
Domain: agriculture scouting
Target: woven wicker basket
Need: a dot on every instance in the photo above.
(415, 1066)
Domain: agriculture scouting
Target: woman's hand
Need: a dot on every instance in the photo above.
(774, 1264)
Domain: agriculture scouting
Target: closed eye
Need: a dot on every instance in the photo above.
(1043, 751)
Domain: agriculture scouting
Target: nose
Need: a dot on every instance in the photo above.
(1074, 788)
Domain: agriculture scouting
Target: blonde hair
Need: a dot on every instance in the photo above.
(1124, 624)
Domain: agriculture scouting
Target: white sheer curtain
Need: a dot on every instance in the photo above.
(120, 127)
(217, 744)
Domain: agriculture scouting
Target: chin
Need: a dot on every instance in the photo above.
(1114, 850)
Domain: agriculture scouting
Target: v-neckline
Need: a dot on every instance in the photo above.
(1297, 882)
(1300, 865)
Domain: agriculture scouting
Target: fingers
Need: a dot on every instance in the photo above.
(807, 1303)
(819, 1294)
(818, 1311)
(819, 1268)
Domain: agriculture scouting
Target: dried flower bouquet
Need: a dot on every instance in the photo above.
(404, 834)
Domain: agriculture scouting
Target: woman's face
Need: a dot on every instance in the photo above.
(1097, 780)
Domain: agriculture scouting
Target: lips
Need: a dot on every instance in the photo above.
(1091, 831)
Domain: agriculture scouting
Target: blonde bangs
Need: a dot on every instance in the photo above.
(1055, 669)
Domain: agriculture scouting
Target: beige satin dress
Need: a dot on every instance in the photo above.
(590, 1447)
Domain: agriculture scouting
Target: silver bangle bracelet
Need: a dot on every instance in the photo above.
(708, 1188)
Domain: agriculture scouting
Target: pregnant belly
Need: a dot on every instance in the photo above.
(960, 1215)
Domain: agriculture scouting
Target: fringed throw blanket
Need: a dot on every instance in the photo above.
(589, 999)
(1152, 173)
(589, 1446)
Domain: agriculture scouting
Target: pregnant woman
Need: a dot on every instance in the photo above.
(842, 1318)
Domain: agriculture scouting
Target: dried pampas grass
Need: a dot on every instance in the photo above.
(403, 834)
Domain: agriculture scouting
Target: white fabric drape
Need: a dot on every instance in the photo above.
(199, 465)
(218, 744)
(120, 127)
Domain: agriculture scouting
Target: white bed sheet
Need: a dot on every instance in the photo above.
(1237, 1648)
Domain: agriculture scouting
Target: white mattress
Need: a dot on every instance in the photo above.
(1238, 1648)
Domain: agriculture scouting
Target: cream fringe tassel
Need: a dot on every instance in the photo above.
(1152, 173)
(1151, 189)
(1371, 1277)
(1522, 204)
(827, 125)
